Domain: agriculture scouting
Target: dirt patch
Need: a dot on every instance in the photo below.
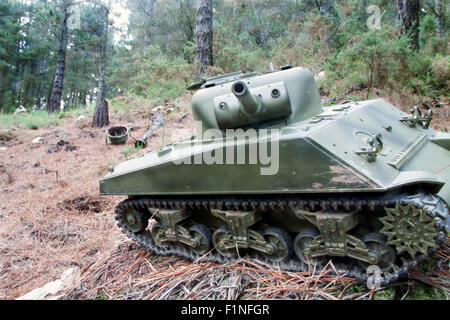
(4, 169)
(7, 135)
(52, 215)
(84, 204)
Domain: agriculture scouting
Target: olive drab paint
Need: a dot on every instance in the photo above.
(314, 149)
(271, 172)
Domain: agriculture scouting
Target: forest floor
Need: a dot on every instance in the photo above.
(52, 217)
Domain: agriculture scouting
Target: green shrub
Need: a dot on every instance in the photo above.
(236, 52)
(35, 120)
(129, 150)
(158, 77)
(440, 68)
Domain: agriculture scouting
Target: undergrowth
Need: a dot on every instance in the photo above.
(41, 118)
(36, 120)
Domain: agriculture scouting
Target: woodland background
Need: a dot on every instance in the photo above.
(47, 64)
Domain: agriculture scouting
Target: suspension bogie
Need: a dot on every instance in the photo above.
(314, 231)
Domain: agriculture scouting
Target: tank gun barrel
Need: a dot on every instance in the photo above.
(249, 102)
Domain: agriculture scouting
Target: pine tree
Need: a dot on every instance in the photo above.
(101, 116)
(204, 35)
(408, 16)
(58, 82)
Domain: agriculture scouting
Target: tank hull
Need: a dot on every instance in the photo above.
(270, 174)
(314, 156)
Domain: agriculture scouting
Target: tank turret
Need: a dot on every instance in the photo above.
(256, 100)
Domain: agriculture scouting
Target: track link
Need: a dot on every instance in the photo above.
(435, 208)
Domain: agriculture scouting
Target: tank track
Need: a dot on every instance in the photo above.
(435, 208)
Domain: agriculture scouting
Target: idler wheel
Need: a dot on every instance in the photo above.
(136, 221)
(376, 244)
(158, 236)
(280, 241)
(203, 238)
(302, 244)
(222, 237)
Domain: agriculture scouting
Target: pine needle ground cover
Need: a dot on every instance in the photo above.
(52, 217)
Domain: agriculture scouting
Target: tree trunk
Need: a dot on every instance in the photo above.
(28, 84)
(69, 104)
(101, 116)
(49, 94)
(42, 71)
(437, 12)
(3, 86)
(148, 31)
(16, 83)
(83, 98)
(188, 23)
(408, 15)
(58, 82)
(77, 99)
(204, 35)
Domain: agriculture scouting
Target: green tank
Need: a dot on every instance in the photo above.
(272, 176)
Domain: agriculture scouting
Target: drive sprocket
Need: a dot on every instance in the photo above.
(409, 229)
